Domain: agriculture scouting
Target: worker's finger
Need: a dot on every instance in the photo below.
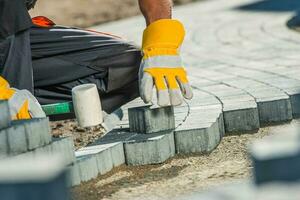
(186, 89)
(146, 87)
(174, 91)
(175, 97)
(163, 97)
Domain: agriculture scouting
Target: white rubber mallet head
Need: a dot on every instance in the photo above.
(87, 105)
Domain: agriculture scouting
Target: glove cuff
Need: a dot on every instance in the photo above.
(165, 34)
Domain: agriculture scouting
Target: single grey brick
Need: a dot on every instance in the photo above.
(74, 178)
(274, 110)
(101, 153)
(37, 132)
(34, 179)
(45, 150)
(151, 120)
(295, 102)
(221, 125)
(118, 154)
(61, 146)
(241, 117)
(3, 144)
(65, 147)
(144, 149)
(88, 168)
(276, 159)
(199, 137)
(5, 118)
(17, 143)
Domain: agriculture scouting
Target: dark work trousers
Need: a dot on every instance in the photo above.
(64, 57)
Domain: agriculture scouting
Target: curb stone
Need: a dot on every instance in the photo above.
(5, 119)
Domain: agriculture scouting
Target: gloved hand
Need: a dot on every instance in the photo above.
(161, 64)
(22, 104)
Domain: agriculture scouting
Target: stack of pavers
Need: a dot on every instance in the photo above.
(150, 140)
(31, 138)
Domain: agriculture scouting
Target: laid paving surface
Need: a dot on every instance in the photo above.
(243, 63)
(181, 176)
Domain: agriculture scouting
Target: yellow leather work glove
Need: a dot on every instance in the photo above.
(22, 104)
(162, 65)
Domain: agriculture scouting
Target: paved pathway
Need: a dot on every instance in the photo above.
(243, 63)
(241, 56)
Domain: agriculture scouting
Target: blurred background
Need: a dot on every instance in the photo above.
(86, 13)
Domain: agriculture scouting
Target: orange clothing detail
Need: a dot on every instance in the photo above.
(42, 21)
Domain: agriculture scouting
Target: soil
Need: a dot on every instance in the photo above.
(86, 13)
(81, 136)
(180, 175)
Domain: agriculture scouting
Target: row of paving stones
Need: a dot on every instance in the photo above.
(31, 138)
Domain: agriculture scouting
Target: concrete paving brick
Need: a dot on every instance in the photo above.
(144, 149)
(115, 136)
(150, 120)
(41, 178)
(37, 132)
(118, 155)
(61, 146)
(221, 125)
(16, 136)
(107, 155)
(45, 150)
(241, 98)
(238, 105)
(294, 94)
(181, 109)
(74, 178)
(88, 168)
(242, 118)
(65, 147)
(5, 119)
(204, 117)
(276, 159)
(274, 110)
(3, 144)
(199, 138)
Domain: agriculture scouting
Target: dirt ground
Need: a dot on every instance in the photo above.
(81, 136)
(86, 13)
(181, 175)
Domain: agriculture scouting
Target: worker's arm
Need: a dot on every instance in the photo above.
(161, 65)
(154, 10)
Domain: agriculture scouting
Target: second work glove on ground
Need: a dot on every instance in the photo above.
(161, 65)
(22, 104)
